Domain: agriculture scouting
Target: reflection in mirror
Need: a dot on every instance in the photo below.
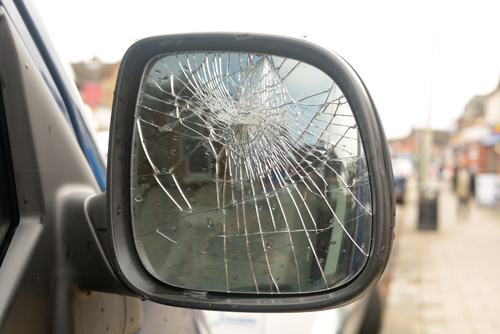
(248, 176)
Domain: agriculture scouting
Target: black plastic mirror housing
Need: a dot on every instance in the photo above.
(127, 143)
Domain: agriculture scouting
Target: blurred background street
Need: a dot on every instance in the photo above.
(444, 280)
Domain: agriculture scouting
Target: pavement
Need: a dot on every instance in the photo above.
(446, 280)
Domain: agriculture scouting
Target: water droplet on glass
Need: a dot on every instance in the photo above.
(139, 198)
(159, 204)
(192, 201)
(332, 243)
(210, 222)
(118, 210)
(270, 245)
(176, 138)
(173, 152)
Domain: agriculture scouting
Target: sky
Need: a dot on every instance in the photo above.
(416, 57)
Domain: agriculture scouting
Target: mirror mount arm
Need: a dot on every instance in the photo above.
(96, 208)
(97, 211)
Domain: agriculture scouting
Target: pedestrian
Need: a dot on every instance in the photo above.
(463, 190)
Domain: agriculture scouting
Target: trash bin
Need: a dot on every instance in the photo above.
(428, 210)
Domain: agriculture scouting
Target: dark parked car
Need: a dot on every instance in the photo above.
(400, 188)
(403, 170)
(245, 173)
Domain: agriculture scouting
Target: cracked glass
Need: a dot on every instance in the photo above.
(248, 175)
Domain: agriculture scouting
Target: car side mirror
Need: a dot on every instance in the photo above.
(246, 173)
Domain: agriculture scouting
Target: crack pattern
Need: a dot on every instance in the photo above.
(248, 175)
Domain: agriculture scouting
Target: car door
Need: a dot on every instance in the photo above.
(42, 235)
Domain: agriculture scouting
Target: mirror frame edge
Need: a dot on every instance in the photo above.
(124, 257)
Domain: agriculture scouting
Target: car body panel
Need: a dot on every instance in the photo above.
(42, 290)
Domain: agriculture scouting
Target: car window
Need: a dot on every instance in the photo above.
(5, 220)
(8, 211)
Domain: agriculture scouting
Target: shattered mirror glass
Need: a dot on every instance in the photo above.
(248, 175)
